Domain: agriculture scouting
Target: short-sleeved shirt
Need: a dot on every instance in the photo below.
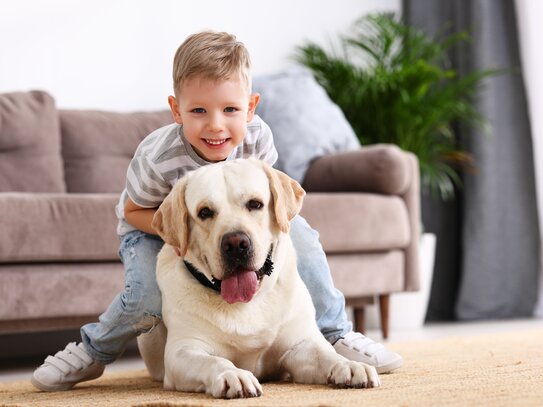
(165, 156)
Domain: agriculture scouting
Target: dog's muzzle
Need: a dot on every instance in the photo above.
(266, 269)
(236, 250)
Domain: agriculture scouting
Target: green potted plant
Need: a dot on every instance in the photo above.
(394, 85)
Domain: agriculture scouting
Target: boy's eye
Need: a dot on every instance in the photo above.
(198, 110)
(230, 109)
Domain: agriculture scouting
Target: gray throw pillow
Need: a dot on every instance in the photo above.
(305, 123)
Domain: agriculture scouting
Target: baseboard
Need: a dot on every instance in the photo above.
(36, 346)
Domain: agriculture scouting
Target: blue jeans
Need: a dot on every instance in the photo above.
(137, 309)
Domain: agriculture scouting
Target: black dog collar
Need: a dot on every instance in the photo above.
(198, 275)
(266, 269)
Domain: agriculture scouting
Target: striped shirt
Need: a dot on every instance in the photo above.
(165, 156)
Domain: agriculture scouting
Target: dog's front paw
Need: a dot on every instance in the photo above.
(348, 374)
(236, 383)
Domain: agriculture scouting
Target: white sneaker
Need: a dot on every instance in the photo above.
(67, 368)
(360, 348)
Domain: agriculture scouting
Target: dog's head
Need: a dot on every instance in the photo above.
(225, 219)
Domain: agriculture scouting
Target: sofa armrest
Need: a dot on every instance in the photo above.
(411, 198)
(379, 168)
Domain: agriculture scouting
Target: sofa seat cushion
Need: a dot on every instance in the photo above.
(358, 222)
(57, 290)
(98, 146)
(57, 227)
(30, 157)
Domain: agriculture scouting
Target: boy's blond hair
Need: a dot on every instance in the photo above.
(211, 55)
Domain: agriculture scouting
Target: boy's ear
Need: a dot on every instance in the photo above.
(174, 107)
(253, 103)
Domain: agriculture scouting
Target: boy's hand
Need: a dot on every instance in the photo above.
(140, 218)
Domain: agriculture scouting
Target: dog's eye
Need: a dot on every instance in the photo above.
(253, 205)
(205, 213)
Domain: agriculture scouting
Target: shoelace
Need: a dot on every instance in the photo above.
(359, 343)
(70, 359)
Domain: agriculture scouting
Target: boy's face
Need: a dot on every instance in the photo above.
(214, 115)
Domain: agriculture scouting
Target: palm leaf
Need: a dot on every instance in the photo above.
(395, 85)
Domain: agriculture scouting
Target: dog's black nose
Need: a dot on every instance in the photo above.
(236, 245)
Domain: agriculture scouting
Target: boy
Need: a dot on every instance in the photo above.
(214, 113)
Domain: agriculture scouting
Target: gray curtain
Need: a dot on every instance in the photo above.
(498, 238)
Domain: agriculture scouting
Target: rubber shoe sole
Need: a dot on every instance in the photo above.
(395, 364)
(66, 385)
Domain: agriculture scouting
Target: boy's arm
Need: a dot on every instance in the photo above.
(139, 217)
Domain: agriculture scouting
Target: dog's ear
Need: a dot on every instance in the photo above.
(171, 220)
(287, 196)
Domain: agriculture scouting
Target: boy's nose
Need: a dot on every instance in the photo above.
(215, 123)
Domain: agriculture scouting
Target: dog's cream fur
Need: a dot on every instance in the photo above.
(219, 348)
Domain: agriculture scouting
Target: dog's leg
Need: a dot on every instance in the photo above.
(151, 346)
(190, 368)
(316, 362)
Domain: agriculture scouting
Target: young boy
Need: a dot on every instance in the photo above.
(214, 113)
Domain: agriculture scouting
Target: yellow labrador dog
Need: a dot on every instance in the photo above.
(234, 307)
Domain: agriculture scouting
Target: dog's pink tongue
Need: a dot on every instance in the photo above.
(240, 287)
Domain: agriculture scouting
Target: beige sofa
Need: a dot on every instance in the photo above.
(61, 172)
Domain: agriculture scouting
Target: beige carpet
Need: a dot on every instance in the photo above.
(497, 370)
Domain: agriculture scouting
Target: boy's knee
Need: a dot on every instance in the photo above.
(299, 228)
(150, 311)
(151, 302)
(305, 239)
(137, 298)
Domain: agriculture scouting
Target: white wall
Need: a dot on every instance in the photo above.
(529, 13)
(117, 54)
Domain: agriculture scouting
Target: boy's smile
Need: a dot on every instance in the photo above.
(214, 115)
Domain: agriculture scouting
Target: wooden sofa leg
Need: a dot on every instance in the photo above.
(359, 319)
(384, 301)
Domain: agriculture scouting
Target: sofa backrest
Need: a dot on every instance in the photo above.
(30, 149)
(88, 151)
(97, 146)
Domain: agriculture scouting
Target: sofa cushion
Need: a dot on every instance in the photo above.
(56, 290)
(352, 222)
(378, 168)
(375, 273)
(30, 158)
(98, 146)
(58, 227)
(305, 123)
